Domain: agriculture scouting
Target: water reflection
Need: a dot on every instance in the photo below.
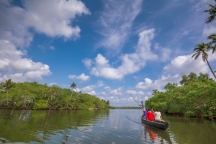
(96, 127)
(42, 126)
(156, 135)
(192, 131)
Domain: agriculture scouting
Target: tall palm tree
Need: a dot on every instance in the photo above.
(201, 49)
(73, 86)
(212, 13)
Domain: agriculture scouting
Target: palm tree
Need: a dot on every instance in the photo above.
(73, 86)
(212, 13)
(212, 43)
(202, 48)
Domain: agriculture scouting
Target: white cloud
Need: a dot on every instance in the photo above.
(144, 85)
(100, 84)
(116, 21)
(103, 93)
(53, 84)
(133, 92)
(130, 62)
(145, 98)
(159, 83)
(88, 88)
(164, 53)
(91, 88)
(117, 91)
(81, 77)
(92, 93)
(87, 62)
(173, 72)
(209, 30)
(13, 65)
(140, 93)
(107, 88)
(185, 64)
(53, 18)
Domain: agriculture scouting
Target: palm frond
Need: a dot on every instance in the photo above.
(196, 55)
(210, 19)
(213, 49)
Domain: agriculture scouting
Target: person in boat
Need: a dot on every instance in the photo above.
(158, 116)
(144, 112)
(150, 115)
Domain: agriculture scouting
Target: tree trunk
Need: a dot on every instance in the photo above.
(210, 68)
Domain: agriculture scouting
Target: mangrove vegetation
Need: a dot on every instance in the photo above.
(31, 95)
(195, 97)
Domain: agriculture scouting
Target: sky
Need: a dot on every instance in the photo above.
(108, 48)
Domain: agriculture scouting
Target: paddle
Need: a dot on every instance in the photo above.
(135, 100)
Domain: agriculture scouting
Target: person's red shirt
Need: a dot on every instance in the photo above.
(150, 115)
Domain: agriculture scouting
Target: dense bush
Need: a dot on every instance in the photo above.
(196, 97)
(31, 95)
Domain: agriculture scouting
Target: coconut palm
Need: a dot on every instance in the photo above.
(201, 49)
(73, 86)
(212, 13)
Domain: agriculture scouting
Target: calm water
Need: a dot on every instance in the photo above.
(117, 126)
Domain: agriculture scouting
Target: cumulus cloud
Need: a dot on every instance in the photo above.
(81, 77)
(92, 93)
(87, 62)
(130, 63)
(117, 91)
(181, 65)
(116, 21)
(91, 88)
(144, 85)
(159, 83)
(52, 18)
(88, 88)
(185, 64)
(13, 65)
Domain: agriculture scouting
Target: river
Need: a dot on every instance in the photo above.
(117, 126)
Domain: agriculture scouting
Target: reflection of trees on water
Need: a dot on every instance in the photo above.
(25, 115)
(40, 126)
(192, 130)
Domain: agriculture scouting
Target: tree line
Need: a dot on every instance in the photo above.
(31, 95)
(196, 97)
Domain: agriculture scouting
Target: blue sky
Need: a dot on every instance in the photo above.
(109, 48)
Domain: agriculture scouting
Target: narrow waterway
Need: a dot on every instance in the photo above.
(118, 126)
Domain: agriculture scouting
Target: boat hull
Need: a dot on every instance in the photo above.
(159, 125)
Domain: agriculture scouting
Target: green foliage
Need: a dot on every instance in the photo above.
(195, 98)
(31, 95)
